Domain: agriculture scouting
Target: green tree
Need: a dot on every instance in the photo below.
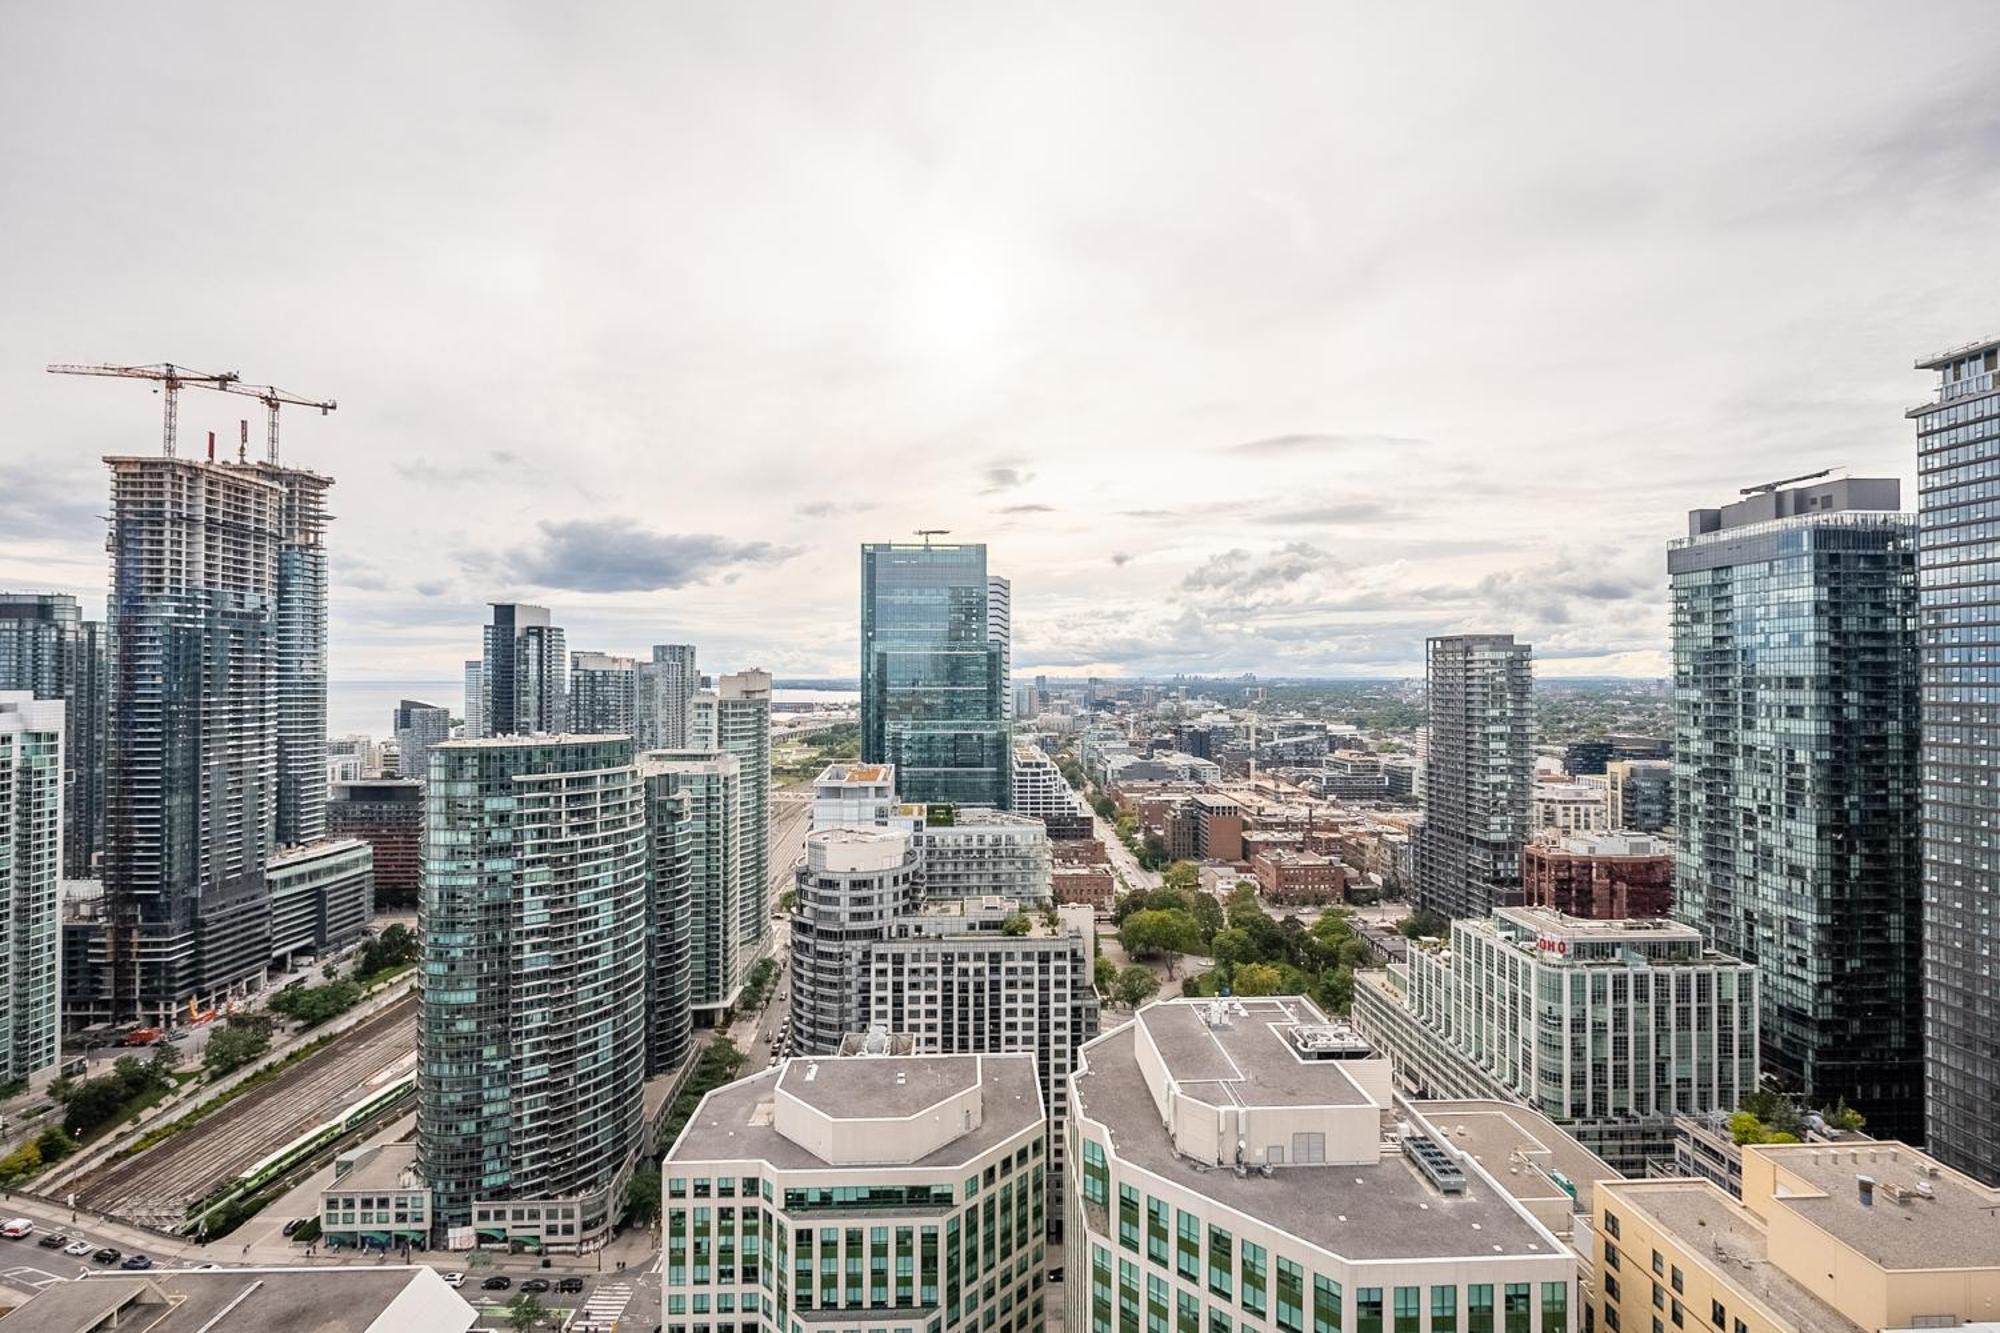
(526, 1311)
(1334, 991)
(53, 1145)
(1152, 851)
(17, 1165)
(1105, 974)
(395, 947)
(642, 1194)
(1106, 810)
(231, 1048)
(313, 1005)
(1844, 1117)
(1181, 875)
(1017, 923)
(1423, 924)
(1136, 985)
(1160, 934)
(1256, 979)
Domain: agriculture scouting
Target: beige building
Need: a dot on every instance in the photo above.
(1829, 1238)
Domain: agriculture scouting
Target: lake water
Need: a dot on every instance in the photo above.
(367, 706)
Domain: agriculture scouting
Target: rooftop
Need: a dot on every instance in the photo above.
(248, 1300)
(1547, 921)
(1957, 1225)
(386, 1167)
(1383, 1210)
(736, 1122)
(1522, 1149)
(1248, 1060)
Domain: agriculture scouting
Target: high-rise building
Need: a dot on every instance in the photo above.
(1797, 782)
(1245, 1160)
(1958, 444)
(31, 832)
(322, 896)
(664, 692)
(1000, 631)
(931, 674)
(675, 841)
(475, 699)
(524, 673)
(419, 728)
(603, 694)
(1609, 1028)
(1478, 770)
(191, 763)
(299, 651)
(388, 815)
(855, 886)
(48, 649)
(532, 1036)
(906, 1192)
(1639, 795)
(1040, 791)
(973, 853)
(743, 729)
(711, 787)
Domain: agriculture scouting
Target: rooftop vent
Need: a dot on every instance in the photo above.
(1330, 1041)
(1435, 1162)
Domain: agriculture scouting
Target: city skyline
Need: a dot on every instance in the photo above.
(1049, 271)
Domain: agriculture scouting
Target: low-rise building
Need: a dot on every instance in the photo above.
(1299, 878)
(1566, 807)
(1246, 1163)
(377, 1198)
(1610, 1028)
(899, 1193)
(1604, 876)
(969, 850)
(322, 896)
(369, 1299)
(1092, 886)
(1826, 1239)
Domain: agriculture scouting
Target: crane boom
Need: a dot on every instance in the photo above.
(272, 398)
(169, 377)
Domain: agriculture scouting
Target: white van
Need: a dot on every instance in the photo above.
(17, 1228)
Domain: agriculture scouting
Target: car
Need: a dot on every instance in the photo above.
(55, 1240)
(136, 1262)
(107, 1255)
(206, 1268)
(570, 1286)
(16, 1228)
(498, 1282)
(293, 1226)
(454, 1279)
(77, 1248)
(535, 1286)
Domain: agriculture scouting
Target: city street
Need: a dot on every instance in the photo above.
(1123, 863)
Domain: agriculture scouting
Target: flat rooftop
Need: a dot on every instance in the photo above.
(848, 1089)
(1497, 1135)
(1385, 1210)
(1716, 1227)
(234, 1300)
(379, 1168)
(1247, 1060)
(734, 1123)
(1957, 1228)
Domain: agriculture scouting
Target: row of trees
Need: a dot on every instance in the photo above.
(1257, 954)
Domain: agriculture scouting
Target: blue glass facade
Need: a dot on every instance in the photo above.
(931, 677)
(1958, 471)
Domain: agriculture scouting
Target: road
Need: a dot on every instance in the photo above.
(155, 1187)
(1123, 862)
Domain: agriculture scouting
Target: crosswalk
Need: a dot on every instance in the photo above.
(601, 1311)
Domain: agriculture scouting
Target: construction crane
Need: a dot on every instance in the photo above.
(928, 533)
(170, 378)
(272, 399)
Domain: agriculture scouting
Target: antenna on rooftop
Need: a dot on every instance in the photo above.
(928, 533)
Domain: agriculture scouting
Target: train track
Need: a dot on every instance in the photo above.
(156, 1187)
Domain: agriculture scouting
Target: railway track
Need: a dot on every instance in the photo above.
(155, 1187)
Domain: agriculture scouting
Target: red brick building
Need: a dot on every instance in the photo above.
(1084, 884)
(1299, 879)
(1605, 876)
(388, 814)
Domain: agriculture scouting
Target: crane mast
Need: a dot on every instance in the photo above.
(272, 398)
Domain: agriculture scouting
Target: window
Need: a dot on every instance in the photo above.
(1717, 1315)
(1519, 1315)
(1444, 1310)
(1096, 1176)
(1187, 1254)
(1218, 1322)
(1291, 1296)
(1188, 1315)
(1610, 1223)
(1326, 1305)
(1128, 1297)
(1219, 1261)
(1610, 1250)
(1659, 1262)
(1253, 1279)
(1156, 1230)
(1368, 1309)
(1555, 1307)
(1128, 1218)
(1156, 1303)
(1676, 1279)
(1100, 1290)
(1479, 1308)
(1675, 1313)
(1409, 1309)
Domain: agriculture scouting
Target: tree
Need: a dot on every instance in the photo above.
(1105, 974)
(526, 1311)
(1423, 924)
(1256, 979)
(1181, 875)
(1334, 992)
(1017, 923)
(53, 1144)
(1844, 1117)
(1136, 985)
(1152, 852)
(642, 1193)
(1156, 933)
(1106, 810)
(394, 947)
(231, 1048)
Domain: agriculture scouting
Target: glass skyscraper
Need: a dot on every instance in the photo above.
(1795, 773)
(1958, 482)
(532, 1037)
(1466, 854)
(48, 649)
(524, 673)
(931, 675)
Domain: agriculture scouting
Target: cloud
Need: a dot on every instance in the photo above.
(1279, 446)
(1027, 509)
(1355, 511)
(618, 555)
(1121, 558)
(422, 470)
(1238, 573)
(37, 503)
(832, 508)
(1006, 478)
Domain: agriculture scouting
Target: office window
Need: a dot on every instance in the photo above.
(1479, 1308)
(1188, 1315)
(1519, 1314)
(1555, 1307)
(1221, 1259)
(1252, 1271)
(1368, 1310)
(1218, 1322)
(1409, 1309)
(1187, 1255)
(1444, 1310)
(1156, 1230)
(1128, 1218)
(1717, 1315)
(1326, 1305)
(1291, 1296)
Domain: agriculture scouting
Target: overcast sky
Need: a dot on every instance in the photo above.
(1248, 336)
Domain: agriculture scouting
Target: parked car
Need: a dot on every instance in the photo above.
(107, 1255)
(293, 1226)
(55, 1240)
(498, 1282)
(16, 1228)
(77, 1248)
(454, 1279)
(136, 1262)
(570, 1286)
(535, 1286)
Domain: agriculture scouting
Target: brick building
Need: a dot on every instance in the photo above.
(388, 815)
(1299, 878)
(1604, 876)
